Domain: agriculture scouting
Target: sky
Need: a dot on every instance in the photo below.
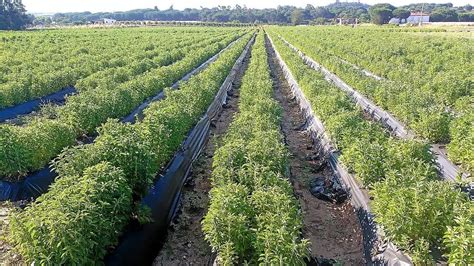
(54, 6)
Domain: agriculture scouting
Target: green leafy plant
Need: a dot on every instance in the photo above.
(459, 238)
(413, 207)
(85, 210)
(426, 79)
(253, 217)
(76, 220)
(112, 92)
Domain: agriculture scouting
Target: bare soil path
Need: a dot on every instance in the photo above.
(333, 229)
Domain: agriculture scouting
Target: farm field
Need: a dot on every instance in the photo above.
(425, 81)
(225, 145)
(111, 93)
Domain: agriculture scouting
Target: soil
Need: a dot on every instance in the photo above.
(185, 243)
(333, 229)
(7, 254)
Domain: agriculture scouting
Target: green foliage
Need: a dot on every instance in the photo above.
(461, 148)
(444, 14)
(278, 227)
(381, 13)
(413, 207)
(111, 93)
(424, 85)
(85, 210)
(433, 125)
(297, 17)
(401, 13)
(13, 15)
(253, 216)
(466, 16)
(459, 238)
(76, 220)
(144, 214)
(228, 221)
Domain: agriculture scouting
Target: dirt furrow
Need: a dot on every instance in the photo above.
(333, 229)
(185, 244)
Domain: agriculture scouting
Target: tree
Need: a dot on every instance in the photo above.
(13, 15)
(42, 20)
(466, 17)
(307, 12)
(381, 13)
(444, 15)
(297, 17)
(319, 21)
(468, 7)
(348, 10)
(401, 13)
(322, 12)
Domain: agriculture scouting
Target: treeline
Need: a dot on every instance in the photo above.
(382, 13)
(13, 15)
(279, 15)
(379, 14)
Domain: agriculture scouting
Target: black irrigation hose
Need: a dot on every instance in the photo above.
(37, 183)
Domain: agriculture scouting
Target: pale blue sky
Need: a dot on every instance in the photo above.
(51, 6)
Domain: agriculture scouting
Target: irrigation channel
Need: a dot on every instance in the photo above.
(447, 169)
(38, 182)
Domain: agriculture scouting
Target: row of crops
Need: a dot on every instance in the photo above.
(417, 211)
(94, 197)
(427, 81)
(34, 64)
(111, 93)
(253, 216)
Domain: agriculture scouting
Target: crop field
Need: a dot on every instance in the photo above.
(272, 145)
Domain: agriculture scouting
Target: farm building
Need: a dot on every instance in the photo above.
(417, 17)
(109, 21)
(106, 21)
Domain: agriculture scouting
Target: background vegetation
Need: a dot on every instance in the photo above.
(13, 15)
(380, 13)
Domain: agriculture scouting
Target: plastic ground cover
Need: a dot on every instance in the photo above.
(25, 108)
(38, 182)
(376, 249)
(140, 243)
(447, 169)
